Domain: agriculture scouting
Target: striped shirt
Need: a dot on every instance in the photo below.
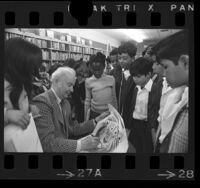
(179, 137)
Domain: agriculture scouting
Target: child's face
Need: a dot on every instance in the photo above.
(114, 60)
(176, 75)
(124, 60)
(158, 68)
(141, 80)
(97, 69)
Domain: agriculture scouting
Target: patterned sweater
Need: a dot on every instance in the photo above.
(99, 93)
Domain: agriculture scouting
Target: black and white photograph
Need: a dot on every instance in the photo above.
(96, 90)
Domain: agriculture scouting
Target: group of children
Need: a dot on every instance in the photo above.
(150, 93)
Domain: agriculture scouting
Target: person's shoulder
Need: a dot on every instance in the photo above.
(89, 80)
(43, 97)
(110, 77)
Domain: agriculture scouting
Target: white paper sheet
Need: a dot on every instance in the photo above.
(112, 134)
(18, 140)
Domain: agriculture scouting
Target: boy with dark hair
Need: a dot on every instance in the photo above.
(126, 55)
(173, 54)
(113, 57)
(143, 107)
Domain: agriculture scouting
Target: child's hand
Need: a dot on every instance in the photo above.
(18, 117)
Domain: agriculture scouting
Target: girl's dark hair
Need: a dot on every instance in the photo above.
(99, 57)
(22, 62)
(140, 66)
(70, 63)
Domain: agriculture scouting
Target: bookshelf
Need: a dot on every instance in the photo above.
(56, 47)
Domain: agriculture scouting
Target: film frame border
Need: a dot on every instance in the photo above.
(81, 162)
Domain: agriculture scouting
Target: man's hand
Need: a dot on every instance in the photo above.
(102, 116)
(18, 117)
(89, 143)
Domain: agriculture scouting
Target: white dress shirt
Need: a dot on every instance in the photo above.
(126, 74)
(141, 104)
(166, 87)
(176, 98)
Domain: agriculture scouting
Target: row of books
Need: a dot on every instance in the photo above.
(50, 44)
(75, 48)
(38, 42)
(61, 56)
(77, 51)
(86, 58)
(45, 55)
(11, 35)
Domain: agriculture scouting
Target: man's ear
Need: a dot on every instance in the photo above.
(184, 61)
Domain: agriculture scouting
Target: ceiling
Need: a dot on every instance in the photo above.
(147, 34)
(142, 36)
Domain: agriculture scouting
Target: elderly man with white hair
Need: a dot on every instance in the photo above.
(55, 125)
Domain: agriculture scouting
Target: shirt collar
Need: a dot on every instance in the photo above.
(57, 98)
(103, 75)
(154, 77)
(148, 85)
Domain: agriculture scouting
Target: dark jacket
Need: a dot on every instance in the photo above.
(54, 128)
(124, 92)
(153, 106)
(117, 73)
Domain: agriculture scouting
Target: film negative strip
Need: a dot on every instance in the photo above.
(31, 20)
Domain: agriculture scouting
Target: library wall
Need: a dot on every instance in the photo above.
(95, 35)
(57, 47)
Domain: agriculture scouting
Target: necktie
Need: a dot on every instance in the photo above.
(63, 114)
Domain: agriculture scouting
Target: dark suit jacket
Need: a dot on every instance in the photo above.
(124, 93)
(153, 106)
(53, 130)
(117, 73)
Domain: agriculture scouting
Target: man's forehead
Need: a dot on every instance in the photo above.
(113, 56)
(96, 65)
(68, 77)
(70, 81)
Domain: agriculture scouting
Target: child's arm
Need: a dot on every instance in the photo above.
(114, 98)
(16, 117)
(88, 95)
